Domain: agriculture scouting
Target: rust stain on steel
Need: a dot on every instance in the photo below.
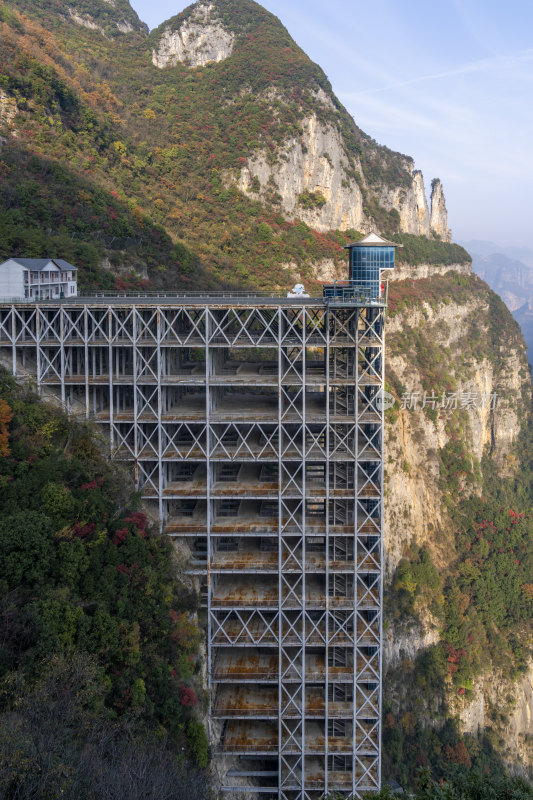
(236, 699)
(241, 488)
(249, 665)
(243, 735)
(368, 562)
(258, 525)
(186, 526)
(183, 489)
(245, 560)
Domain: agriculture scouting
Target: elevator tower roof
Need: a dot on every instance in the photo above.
(372, 240)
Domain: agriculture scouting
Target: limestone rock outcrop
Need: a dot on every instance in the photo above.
(85, 20)
(200, 39)
(439, 215)
(309, 177)
(104, 16)
(8, 108)
(515, 726)
(411, 204)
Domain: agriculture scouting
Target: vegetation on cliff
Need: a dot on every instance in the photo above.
(423, 250)
(98, 642)
(48, 208)
(461, 786)
(106, 15)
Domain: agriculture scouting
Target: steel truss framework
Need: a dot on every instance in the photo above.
(257, 431)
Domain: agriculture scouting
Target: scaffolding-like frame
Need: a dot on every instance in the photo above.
(255, 427)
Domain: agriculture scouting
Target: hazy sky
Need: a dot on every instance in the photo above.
(448, 82)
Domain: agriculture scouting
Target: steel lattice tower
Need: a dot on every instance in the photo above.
(255, 429)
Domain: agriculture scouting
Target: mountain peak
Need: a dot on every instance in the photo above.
(196, 37)
(207, 32)
(109, 17)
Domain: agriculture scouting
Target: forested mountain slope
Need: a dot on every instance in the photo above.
(128, 161)
(99, 662)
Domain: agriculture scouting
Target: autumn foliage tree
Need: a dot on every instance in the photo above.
(6, 415)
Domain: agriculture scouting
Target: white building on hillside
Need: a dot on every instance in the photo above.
(37, 278)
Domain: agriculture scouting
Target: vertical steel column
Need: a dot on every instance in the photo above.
(62, 353)
(37, 346)
(280, 553)
(135, 362)
(14, 340)
(381, 488)
(303, 691)
(160, 391)
(110, 366)
(327, 477)
(355, 682)
(208, 467)
(86, 357)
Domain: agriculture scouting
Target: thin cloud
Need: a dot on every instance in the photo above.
(484, 65)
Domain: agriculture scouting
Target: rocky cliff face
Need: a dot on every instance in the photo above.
(199, 40)
(105, 16)
(328, 269)
(508, 707)
(439, 215)
(8, 110)
(484, 379)
(414, 510)
(411, 205)
(309, 176)
(402, 272)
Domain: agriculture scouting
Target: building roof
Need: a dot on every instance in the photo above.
(372, 239)
(39, 264)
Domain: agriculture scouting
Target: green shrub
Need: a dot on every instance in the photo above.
(197, 741)
(264, 232)
(309, 199)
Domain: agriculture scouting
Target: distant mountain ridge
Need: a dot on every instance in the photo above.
(486, 248)
(509, 277)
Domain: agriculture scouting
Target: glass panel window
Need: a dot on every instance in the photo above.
(367, 263)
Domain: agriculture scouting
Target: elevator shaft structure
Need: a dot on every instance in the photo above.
(254, 429)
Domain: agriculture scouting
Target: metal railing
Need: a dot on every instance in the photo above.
(338, 292)
(342, 292)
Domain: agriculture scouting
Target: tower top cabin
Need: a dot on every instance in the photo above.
(368, 258)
